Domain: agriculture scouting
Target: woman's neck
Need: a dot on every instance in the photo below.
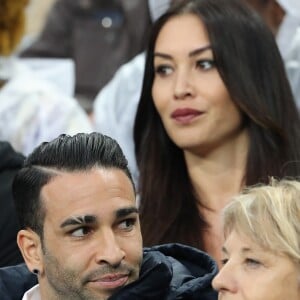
(217, 176)
(220, 174)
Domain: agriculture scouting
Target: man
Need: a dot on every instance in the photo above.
(81, 236)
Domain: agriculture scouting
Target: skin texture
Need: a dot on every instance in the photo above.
(186, 79)
(252, 273)
(92, 242)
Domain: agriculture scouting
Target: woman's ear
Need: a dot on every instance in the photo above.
(30, 246)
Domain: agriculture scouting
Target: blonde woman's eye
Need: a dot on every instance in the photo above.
(253, 263)
(224, 261)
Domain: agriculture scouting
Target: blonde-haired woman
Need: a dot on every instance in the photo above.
(261, 253)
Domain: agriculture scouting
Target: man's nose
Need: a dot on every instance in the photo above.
(109, 250)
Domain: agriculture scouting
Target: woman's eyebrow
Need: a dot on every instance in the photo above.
(162, 55)
(191, 54)
(199, 50)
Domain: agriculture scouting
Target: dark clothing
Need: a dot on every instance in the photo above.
(15, 281)
(10, 163)
(172, 271)
(99, 35)
(168, 272)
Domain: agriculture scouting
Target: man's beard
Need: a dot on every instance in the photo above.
(67, 284)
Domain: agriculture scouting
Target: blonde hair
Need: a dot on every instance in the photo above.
(269, 215)
(12, 24)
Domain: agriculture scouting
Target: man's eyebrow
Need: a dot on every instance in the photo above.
(79, 220)
(191, 54)
(123, 212)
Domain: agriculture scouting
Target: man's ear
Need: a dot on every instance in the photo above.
(30, 246)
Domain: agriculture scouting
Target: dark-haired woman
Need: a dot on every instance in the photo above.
(216, 114)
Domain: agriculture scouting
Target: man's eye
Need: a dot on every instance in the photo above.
(127, 224)
(205, 64)
(163, 70)
(81, 232)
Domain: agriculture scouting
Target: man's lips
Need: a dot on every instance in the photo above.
(110, 281)
(185, 115)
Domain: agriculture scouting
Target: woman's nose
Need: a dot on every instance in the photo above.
(183, 87)
(225, 280)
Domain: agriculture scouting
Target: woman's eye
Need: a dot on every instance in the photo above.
(127, 224)
(252, 262)
(224, 261)
(163, 70)
(81, 232)
(206, 64)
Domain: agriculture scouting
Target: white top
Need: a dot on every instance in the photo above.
(33, 293)
(33, 110)
(288, 39)
(116, 104)
(291, 7)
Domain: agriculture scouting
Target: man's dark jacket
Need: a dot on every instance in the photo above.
(168, 272)
(10, 163)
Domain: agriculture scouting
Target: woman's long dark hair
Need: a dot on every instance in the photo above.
(251, 67)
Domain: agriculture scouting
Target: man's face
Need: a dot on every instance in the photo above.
(92, 242)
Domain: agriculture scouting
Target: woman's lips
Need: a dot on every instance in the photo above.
(185, 115)
(110, 281)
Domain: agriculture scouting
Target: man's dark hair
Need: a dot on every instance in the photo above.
(80, 152)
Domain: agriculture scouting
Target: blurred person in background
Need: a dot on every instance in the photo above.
(115, 105)
(283, 18)
(99, 35)
(31, 110)
(10, 163)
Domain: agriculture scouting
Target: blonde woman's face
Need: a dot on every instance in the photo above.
(252, 273)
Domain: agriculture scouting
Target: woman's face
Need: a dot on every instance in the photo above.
(252, 273)
(188, 92)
